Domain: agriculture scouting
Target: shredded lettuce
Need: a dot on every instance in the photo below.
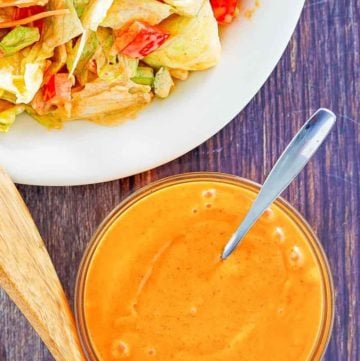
(130, 65)
(194, 43)
(122, 12)
(60, 29)
(112, 66)
(80, 6)
(22, 70)
(109, 71)
(58, 61)
(185, 7)
(95, 12)
(18, 39)
(163, 83)
(8, 116)
(106, 41)
(79, 43)
(21, 77)
(53, 120)
(100, 98)
(80, 71)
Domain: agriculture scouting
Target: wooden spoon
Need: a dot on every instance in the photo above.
(28, 276)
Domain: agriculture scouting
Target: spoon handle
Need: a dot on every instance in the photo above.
(28, 276)
(291, 162)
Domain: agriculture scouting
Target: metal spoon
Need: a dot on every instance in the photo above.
(291, 162)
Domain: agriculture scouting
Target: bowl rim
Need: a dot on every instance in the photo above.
(324, 334)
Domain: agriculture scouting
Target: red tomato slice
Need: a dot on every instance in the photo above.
(22, 13)
(139, 39)
(58, 88)
(224, 10)
(49, 89)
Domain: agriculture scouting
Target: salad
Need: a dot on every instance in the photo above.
(101, 60)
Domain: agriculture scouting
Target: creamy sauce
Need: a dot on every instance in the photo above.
(157, 290)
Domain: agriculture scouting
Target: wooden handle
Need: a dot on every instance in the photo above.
(28, 276)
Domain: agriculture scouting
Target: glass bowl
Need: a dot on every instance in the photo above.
(327, 283)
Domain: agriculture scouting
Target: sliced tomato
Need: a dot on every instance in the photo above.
(139, 39)
(22, 13)
(58, 88)
(49, 89)
(224, 10)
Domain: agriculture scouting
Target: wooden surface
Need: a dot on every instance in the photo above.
(321, 67)
(28, 276)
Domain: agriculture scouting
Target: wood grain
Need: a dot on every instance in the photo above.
(321, 67)
(29, 278)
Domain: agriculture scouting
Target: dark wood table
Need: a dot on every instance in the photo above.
(321, 67)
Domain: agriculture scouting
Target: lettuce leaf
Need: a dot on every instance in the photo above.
(57, 62)
(53, 120)
(80, 6)
(101, 99)
(163, 83)
(95, 12)
(185, 7)
(125, 11)
(21, 76)
(78, 66)
(60, 29)
(18, 39)
(106, 41)
(194, 42)
(8, 117)
(111, 66)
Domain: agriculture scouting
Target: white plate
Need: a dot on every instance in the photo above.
(83, 152)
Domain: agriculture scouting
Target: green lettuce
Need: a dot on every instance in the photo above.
(80, 6)
(110, 65)
(60, 29)
(122, 12)
(53, 120)
(106, 41)
(21, 76)
(18, 39)
(95, 12)
(194, 42)
(80, 71)
(100, 99)
(185, 7)
(163, 83)
(21, 73)
(58, 60)
(8, 116)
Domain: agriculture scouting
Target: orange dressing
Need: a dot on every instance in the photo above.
(157, 290)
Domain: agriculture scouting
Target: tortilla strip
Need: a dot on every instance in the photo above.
(22, 3)
(30, 19)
